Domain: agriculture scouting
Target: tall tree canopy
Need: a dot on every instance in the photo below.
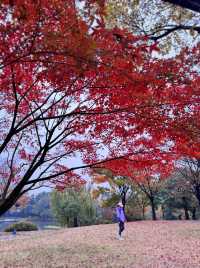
(173, 26)
(72, 87)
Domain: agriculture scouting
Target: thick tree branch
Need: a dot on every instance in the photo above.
(172, 29)
(74, 168)
(193, 5)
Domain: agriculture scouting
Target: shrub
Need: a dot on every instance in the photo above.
(21, 226)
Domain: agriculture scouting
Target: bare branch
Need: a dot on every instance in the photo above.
(173, 29)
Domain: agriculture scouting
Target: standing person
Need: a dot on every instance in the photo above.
(121, 219)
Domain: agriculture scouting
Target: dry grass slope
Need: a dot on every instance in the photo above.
(147, 244)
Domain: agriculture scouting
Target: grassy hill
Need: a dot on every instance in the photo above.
(147, 244)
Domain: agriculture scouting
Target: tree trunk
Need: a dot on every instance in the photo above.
(180, 216)
(185, 207)
(194, 213)
(75, 222)
(197, 186)
(123, 197)
(153, 209)
(163, 212)
(143, 213)
(17, 192)
(197, 193)
(187, 217)
(5, 205)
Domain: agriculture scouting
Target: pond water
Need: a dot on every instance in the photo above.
(42, 224)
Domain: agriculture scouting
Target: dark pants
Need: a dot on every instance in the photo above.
(121, 227)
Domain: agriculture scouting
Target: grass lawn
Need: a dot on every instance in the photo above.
(161, 244)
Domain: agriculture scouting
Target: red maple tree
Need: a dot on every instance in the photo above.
(70, 87)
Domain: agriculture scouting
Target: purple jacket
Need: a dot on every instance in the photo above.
(120, 214)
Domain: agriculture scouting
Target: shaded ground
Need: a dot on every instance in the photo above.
(147, 244)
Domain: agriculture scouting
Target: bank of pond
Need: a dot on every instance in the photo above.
(37, 223)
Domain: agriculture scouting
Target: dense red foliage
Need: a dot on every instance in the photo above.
(70, 87)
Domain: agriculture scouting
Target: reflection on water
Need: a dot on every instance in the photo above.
(41, 224)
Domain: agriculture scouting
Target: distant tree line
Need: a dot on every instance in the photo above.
(38, 206)
(173, 198)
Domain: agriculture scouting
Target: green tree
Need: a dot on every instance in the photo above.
(190, 173)
(177, 197)
(137, 203)
(37, 206)
(74, 207)
(151, 186)
(42, 207)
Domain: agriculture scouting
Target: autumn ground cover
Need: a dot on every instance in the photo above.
(147, 244)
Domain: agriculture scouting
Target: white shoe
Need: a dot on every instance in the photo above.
(119, 237)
